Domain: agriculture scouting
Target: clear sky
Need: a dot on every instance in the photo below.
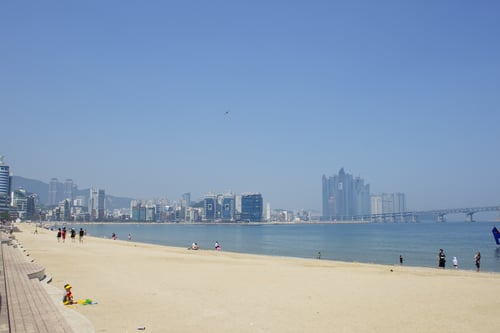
(156, 98)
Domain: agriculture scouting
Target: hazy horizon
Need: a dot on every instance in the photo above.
(155, 99)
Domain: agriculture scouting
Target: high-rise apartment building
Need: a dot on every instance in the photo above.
(345, 197)
(5, 186)
(251, 207)
(137, 211)
(20, 202)
(69, 189)
(53, 192)
(399, 202)
(377, 206)
(388, 203)
(97, 200)
(32, 205)
(228, 207)
(186, 200)
(210, 207)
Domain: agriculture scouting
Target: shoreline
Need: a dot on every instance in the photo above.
(269, 254)
(204, 223)
(172, 289)
(419, 259)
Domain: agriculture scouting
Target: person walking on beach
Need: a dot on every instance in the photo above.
(400, 259)
(73, 235)
(455, 262)
(59, 233)
(477, 260)
(217, 245)
(441, 259)
(63, 234)
(80, 234)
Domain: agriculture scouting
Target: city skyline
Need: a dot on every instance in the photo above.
(344, 197)
(159, 99)
(379, 201)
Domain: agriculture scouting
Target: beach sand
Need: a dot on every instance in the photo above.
(166, 289)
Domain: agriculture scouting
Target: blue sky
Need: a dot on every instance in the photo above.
(132, 96)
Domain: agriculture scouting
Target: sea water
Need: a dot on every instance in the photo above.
(380, 243)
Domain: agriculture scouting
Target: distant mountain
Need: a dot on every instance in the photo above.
(32, 186)
(42, 190)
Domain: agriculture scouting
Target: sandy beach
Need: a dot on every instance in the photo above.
(166, 289)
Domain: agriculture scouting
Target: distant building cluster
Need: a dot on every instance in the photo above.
(65, 205)
(388, 203)
(213, 208)
(247, 207)
(344, 198)
(348, 198)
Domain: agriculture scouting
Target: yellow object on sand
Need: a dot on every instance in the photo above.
(84, 301)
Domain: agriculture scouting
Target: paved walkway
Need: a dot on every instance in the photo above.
(28, 303)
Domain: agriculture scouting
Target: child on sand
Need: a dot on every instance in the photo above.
(68, 296)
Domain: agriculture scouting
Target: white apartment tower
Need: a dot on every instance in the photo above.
(96, 204)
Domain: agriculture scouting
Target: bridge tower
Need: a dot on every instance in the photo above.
(441, 217)
(469, 216)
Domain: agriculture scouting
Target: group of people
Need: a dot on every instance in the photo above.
(61, 234)
(195, 246)
(442, 260)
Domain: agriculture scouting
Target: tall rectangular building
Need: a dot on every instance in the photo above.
(251, 207)
(5, 186)
(210, 207)
(53, 192)
(68, 189)
(97, 200)
(186, 199)
(228, 207)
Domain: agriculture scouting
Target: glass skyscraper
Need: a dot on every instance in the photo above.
(5, 185)
(251, 207)
(345, 197)
(227, 209)
(53, 192)
(210, 207)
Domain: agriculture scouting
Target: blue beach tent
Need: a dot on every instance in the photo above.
(496, 234)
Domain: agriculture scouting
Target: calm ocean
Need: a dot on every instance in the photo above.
(380, 243)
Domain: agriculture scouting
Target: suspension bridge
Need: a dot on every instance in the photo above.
(438, 214)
